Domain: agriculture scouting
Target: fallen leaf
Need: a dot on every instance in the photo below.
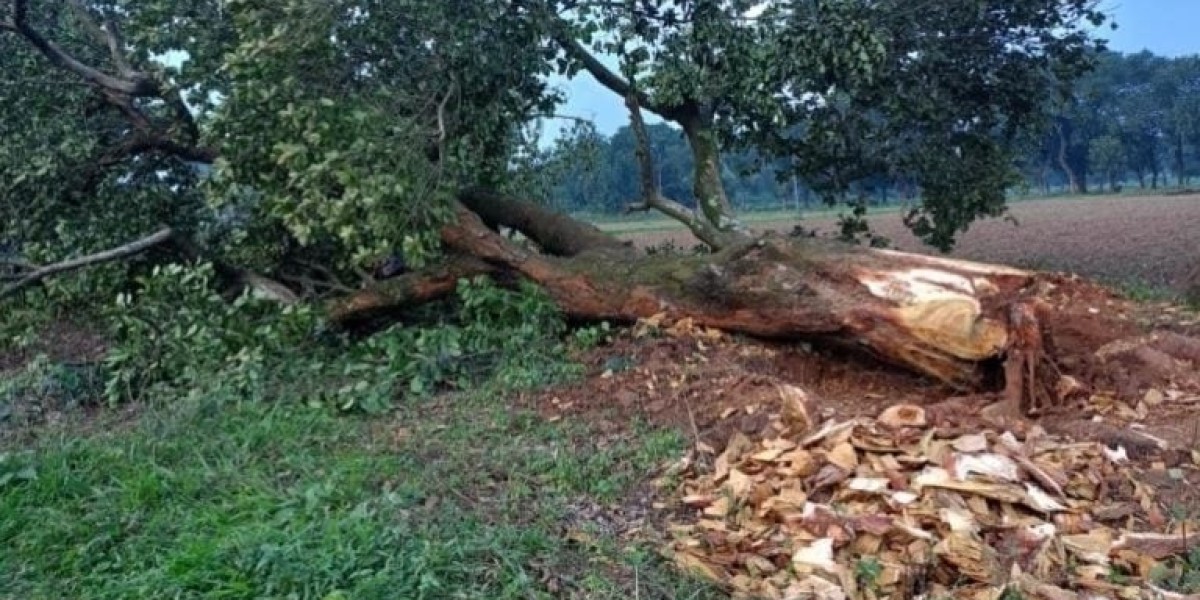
(903, 415)
(843, 456)
(818, 554)
(814, 588)
(739, 484)
(737, 445)
(718, 509)
(694, 564)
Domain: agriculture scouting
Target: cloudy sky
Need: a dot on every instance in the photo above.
(1166, 27)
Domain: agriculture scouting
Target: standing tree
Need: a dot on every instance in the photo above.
(1107, 156)
(848, 90)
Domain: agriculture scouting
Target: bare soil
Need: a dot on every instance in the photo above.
(1152, 240)
(711, 389)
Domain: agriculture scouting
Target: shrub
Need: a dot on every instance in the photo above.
(176, 335)
(1191, 287)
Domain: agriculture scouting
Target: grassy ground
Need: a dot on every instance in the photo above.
(458, 498)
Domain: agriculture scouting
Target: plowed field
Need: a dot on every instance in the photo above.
(1148, 240)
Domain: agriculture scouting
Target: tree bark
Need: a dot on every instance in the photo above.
(707, 185)
(1072, 177)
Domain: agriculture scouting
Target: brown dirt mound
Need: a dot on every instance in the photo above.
(711, 385)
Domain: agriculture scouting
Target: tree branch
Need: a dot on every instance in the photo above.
(408, 290)
(652, 198)
(606, 76)
(554, 232)
(109, 35)
(119, 91)
(118, 253)
(136, 86)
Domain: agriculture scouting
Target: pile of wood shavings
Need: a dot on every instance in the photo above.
(895, 507)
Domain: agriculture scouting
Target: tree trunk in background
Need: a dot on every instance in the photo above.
(1180, 169)
(1072, 177)
(708, 187)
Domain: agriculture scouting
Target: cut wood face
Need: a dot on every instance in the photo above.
(940, 308)
(955, 264)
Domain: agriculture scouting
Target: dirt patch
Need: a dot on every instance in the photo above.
(713, 387)
(62, 341)
(1150, 239)
(60, 393)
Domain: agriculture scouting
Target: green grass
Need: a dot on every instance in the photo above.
(464, 498)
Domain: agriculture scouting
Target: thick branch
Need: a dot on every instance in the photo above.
(108, 34)
(119, 91)
(411, 289)
(160, 143)
(118, 253)
(607, 77)
(138, 86)
(554, 232)
(653, 198)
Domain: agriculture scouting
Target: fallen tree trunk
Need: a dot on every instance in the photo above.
(970, 325)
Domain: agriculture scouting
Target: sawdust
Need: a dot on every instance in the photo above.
(861, 510)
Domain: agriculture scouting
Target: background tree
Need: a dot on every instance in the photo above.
(1107, 156)
(846, 90)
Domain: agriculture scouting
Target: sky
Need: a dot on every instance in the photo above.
(1165, 27)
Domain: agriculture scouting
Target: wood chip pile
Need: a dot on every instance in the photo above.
(896, 507)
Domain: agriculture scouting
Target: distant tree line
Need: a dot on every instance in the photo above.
(1134, 118)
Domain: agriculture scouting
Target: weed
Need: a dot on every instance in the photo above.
(1011, 593)
(1140, 291)
(1181, 575)
(867, 571)
(586, 338)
